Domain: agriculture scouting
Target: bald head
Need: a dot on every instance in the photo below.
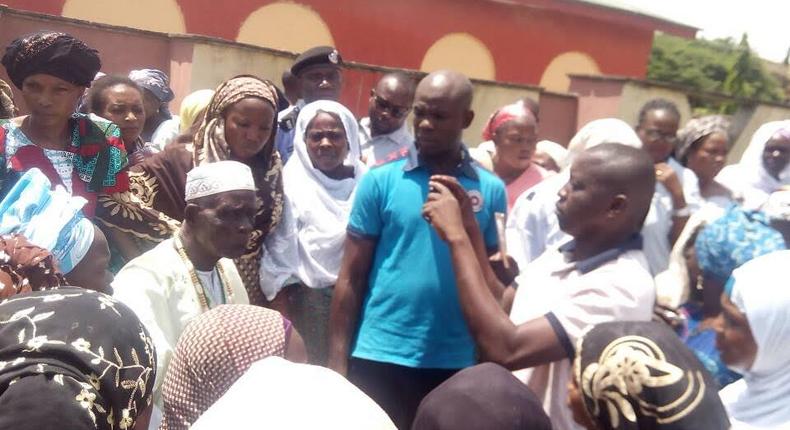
(390, 103)
(623, 170)
(397, 84)
(442, 110)
(448, 84)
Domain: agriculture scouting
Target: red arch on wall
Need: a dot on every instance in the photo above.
(523, 38)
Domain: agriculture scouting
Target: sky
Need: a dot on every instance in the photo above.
(767, 22)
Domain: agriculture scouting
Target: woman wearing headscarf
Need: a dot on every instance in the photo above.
(192, 109)
(277, 394)
(703, 148)
(80, 355)
(764, 166)
(205, 364)
(532, 224)
(483, 397)
(25, 267)
(239, 125)
(549, 155)
(319, 182)
(52, 219)
(752, 335)
(721, 247)
(84, 154)
(513, 131)
(161, 127)
(7, 107)
(639, 376)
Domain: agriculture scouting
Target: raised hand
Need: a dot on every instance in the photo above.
(460, 194)
(443, 212)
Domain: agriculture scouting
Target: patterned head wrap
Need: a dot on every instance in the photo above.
(210, 144)
(220, 177)
(25, 267)
(57, 54)
(737, 237)
(157, 82)
(699, 128)
(640, 376)
(81, 353)
(486, 396)
(503, 115)
(215, 350)
(7, 107)
(51, 219)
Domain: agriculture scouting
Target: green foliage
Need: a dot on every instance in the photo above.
(720, 66)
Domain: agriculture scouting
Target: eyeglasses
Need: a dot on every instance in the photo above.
(396, 111)
(655, 134)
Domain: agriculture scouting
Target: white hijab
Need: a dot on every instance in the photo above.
(320, 205)
(597, 132)
(760, 399)
(748, 179)
(277, 394)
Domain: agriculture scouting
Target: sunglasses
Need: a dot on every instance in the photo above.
(396, 111)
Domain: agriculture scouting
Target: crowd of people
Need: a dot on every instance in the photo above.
(265, 259)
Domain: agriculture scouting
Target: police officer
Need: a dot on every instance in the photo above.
(320, 77)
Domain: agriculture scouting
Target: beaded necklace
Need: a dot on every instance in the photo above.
(199, 289)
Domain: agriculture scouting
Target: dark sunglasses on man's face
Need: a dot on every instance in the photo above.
(396, 111)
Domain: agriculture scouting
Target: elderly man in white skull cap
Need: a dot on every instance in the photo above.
(192, 272)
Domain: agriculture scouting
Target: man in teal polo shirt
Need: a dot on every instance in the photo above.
(396, 328)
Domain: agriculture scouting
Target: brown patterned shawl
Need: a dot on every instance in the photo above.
(154, 206)
(25, 267)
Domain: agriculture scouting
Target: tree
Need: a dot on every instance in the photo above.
(720, 66)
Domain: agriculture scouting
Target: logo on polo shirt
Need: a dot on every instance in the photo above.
(476, 199)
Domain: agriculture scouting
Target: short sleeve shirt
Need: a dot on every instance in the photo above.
(411, 315)
(615, 285)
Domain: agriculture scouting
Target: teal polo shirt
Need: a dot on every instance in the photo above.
(411, 315)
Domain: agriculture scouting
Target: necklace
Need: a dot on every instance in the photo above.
(196, 284)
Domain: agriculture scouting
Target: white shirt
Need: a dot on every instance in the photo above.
(166, 133)
(615, 285)
(658, 224)
(212, 286)
(385, 147)
(158, 287)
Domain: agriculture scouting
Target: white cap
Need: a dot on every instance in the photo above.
(219, 177)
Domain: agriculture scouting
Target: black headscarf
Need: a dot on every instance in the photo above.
(57, 54)
(483, 397)
(72, 359)
(640, 376)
